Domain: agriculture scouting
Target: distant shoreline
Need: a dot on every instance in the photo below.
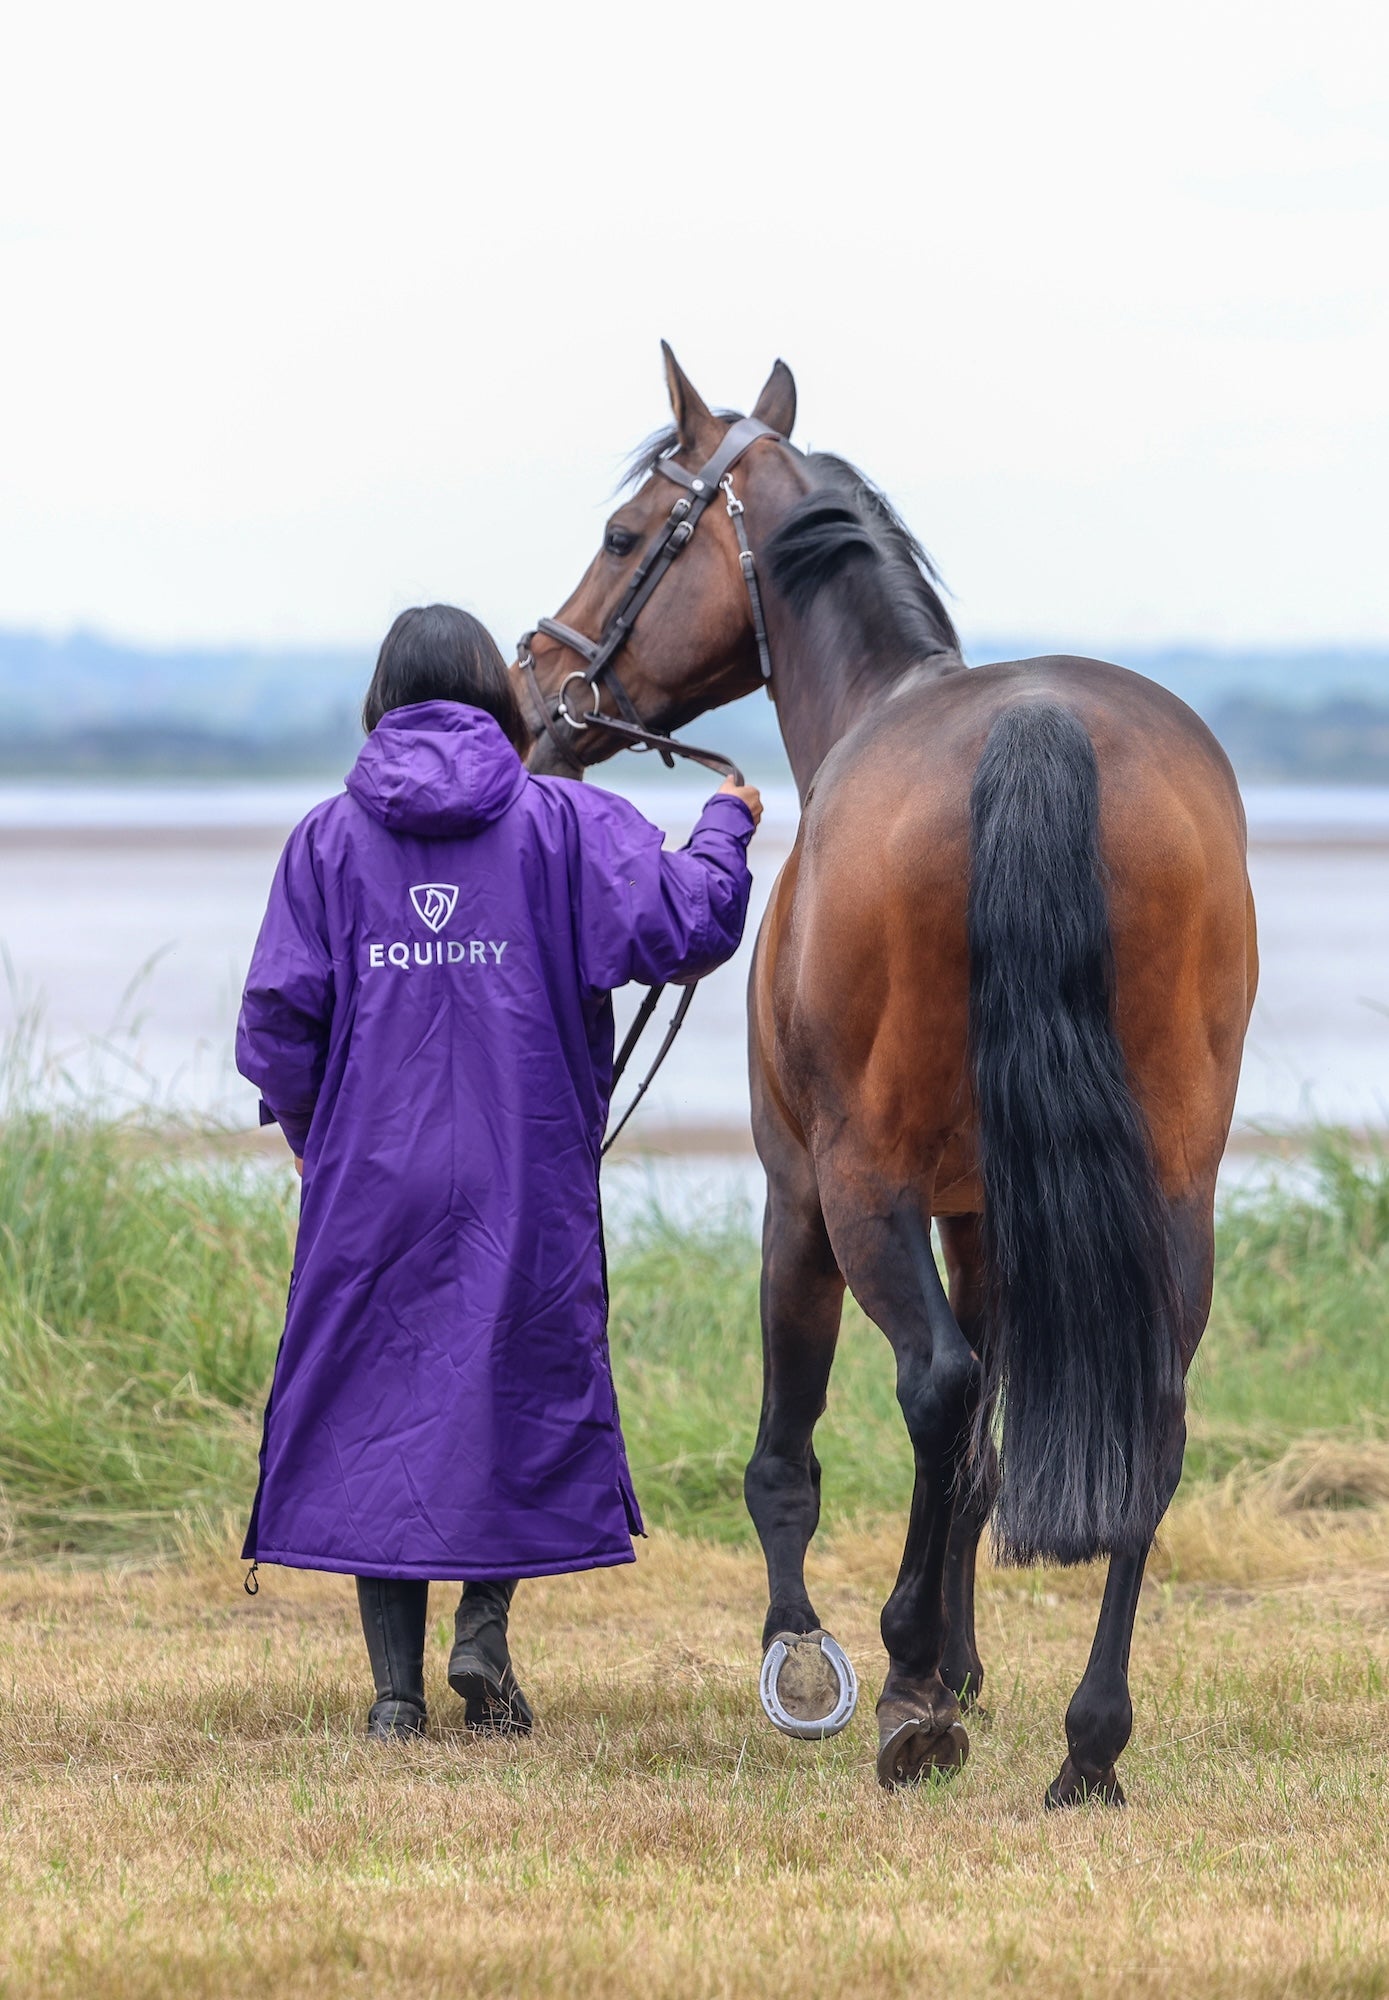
(269, 838)
(693, 1142)
(86, 709)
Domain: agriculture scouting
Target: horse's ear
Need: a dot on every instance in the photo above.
(776, 406)
(699, 429)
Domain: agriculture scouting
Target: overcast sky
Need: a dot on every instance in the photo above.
(313, 310)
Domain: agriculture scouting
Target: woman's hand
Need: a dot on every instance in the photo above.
(299, 1166)
(750, 796)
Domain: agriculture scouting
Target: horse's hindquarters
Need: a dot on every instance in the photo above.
(1108, 975)
(860, 999)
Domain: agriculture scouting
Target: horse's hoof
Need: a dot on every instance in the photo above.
(916, 1748)
(1072, 1788)
(808, 1685)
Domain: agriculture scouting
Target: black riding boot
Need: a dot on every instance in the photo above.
(480, 1663)
(394, 1612)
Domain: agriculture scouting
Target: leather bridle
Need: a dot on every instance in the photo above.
(564, 725)
(561, 721)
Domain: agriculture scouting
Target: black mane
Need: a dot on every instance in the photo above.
(848, 521)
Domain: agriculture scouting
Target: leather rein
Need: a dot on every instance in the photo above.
(565, 725)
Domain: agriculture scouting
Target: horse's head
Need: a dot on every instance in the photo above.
(690, 645)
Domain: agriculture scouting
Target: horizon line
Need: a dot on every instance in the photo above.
(1039, 641)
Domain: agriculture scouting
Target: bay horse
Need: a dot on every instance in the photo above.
(1002, 983)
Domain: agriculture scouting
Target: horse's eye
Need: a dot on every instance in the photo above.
(619, 541)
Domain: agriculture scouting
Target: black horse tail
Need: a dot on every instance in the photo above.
(1081, 1326)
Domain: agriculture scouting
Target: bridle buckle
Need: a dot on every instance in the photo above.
(563, 712)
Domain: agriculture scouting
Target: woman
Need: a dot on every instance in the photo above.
(428, 1018)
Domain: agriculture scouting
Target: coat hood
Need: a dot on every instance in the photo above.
(437, 767)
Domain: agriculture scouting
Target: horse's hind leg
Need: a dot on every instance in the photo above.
(961, 1668)
(1099, 1720)
(883, 1245)
(802, 1297)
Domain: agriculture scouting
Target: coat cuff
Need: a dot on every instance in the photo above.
(729, 815)
(296, 1130)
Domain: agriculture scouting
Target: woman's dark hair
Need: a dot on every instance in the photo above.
(438, 653)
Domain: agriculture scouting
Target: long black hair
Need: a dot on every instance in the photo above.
(1085, 1313)
(436, 652)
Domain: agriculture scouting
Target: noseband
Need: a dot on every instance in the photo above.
(563, 724)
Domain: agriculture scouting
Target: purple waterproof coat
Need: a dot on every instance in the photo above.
(427, 1016)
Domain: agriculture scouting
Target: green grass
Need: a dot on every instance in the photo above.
(688, 1359)
(1298, 1339)
(1298, 1342)
(140, 1308)
(141, 1301)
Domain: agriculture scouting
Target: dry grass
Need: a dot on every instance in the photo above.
(188, 1807)
(1320, 1507)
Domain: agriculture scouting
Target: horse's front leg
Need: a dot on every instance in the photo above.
(882, 1241)
(802, 1298)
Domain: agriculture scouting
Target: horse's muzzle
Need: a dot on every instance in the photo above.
(544, 760)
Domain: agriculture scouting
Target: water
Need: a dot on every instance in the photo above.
(127, 915)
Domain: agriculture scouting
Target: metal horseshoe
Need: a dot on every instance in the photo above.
(819, 1726)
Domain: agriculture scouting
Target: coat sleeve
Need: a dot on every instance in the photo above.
(653, 915)
(287, 1007)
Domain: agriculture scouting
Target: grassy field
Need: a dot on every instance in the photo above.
(187, 1805)
(141, 1301)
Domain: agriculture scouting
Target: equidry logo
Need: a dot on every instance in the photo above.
(476, 951)
(435, 902)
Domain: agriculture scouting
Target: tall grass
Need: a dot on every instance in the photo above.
(1297, 1346)
(688, 1358)
(141, 1299)
(140, 1309)
(1298, 1339)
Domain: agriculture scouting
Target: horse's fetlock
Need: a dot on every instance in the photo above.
(784, 1618)
(1098, 1726)
(963, 1674)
